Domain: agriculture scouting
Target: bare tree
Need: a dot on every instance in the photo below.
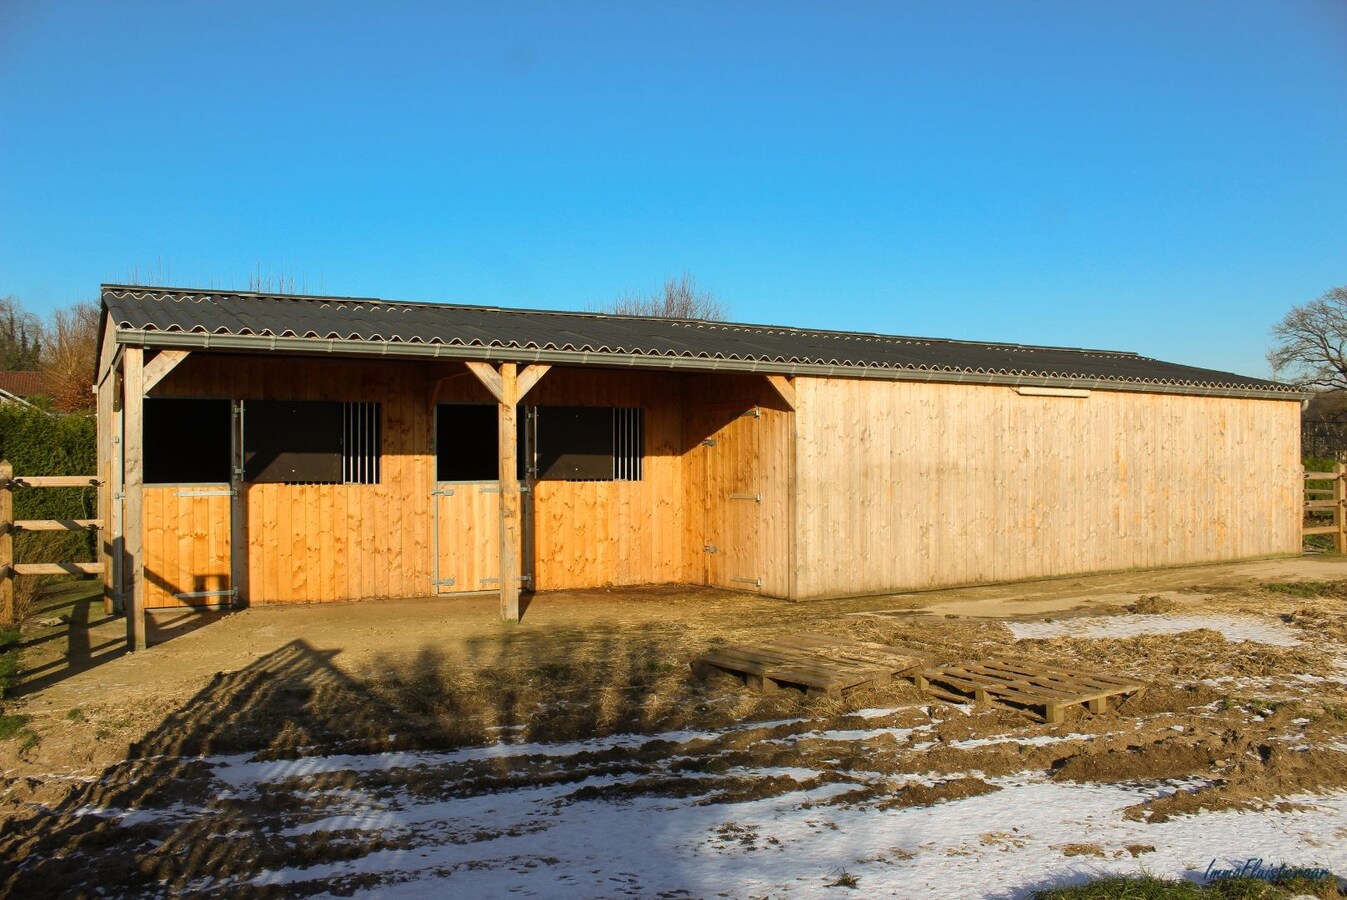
(20, 337)
(680, 298)
(1310, 343)
(68, 360)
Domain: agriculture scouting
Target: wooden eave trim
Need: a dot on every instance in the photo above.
(392, 350)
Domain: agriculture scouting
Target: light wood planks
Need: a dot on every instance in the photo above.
(739, 435)
(133, 574)
(187, 545)
(817, 664)
(1028, 684)
(164, 361)
(904, 485)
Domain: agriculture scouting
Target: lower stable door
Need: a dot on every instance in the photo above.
(466, 499)
(187, 504)
(734, 486)
(467, 537)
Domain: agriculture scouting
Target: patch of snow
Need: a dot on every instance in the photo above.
(239, 769)
(1234, 628)
(1004, 844)
(1039, 740)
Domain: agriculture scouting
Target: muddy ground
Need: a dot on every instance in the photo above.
(135, 776)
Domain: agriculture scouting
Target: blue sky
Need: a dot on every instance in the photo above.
(1152, 176)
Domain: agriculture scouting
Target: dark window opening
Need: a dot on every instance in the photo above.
(311, 442)
(589, 443)
(467, 442)
(186, 441)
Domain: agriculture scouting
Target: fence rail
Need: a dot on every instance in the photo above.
(9, 483)
(1327, 515)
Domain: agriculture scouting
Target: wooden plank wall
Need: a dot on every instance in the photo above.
(913, 485)
(186, 549)
(763, 447)
(313, 543)
(599, 533)
(309, 543)
(469, 539)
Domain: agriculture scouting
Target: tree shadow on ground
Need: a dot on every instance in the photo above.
(294, 704)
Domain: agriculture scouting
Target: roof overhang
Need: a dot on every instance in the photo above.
(365, 349)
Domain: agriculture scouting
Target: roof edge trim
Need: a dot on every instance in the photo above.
(331, 346)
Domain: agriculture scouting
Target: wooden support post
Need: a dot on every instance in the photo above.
(6, 543)
(133, 568)
(1340, 510)
(509, 492)
(238, 511)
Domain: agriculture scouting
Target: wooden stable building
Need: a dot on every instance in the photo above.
(274, 449)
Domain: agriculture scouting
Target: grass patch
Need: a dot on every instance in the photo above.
(1148, 887)
(11, 726)
(9, 659)
(1306, 588)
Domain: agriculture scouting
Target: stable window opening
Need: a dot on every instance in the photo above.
(312, 442)
(467, 442)
(185, 441)
(590, 443)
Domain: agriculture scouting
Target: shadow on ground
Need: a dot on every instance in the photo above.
(294, 702)
(87, 637)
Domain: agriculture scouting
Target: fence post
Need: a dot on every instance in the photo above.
(1339, 509)
(6, 542)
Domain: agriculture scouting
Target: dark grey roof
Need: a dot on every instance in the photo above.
(227, 319)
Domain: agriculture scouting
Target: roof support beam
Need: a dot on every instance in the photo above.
(530, 377)
(785, 387)
(489, 377)
(164, 361)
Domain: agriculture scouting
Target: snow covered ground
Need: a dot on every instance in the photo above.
(1234, 628)
(559, 840)
(1000, 844)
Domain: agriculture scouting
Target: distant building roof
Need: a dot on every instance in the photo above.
(354, 326)
(24, 384)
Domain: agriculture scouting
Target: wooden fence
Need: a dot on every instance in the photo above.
(9, 526)
(1326, 507)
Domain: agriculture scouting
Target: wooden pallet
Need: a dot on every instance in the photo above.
(816, 664)
(1027, 684)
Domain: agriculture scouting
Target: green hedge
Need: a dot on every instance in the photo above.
(40, 443)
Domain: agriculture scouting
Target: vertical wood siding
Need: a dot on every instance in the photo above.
(187, 545)
(911, 485)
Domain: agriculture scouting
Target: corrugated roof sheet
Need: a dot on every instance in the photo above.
(171, 310)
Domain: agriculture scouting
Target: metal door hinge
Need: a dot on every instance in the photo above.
(708, 442)
(442, 492)
(444, 582)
